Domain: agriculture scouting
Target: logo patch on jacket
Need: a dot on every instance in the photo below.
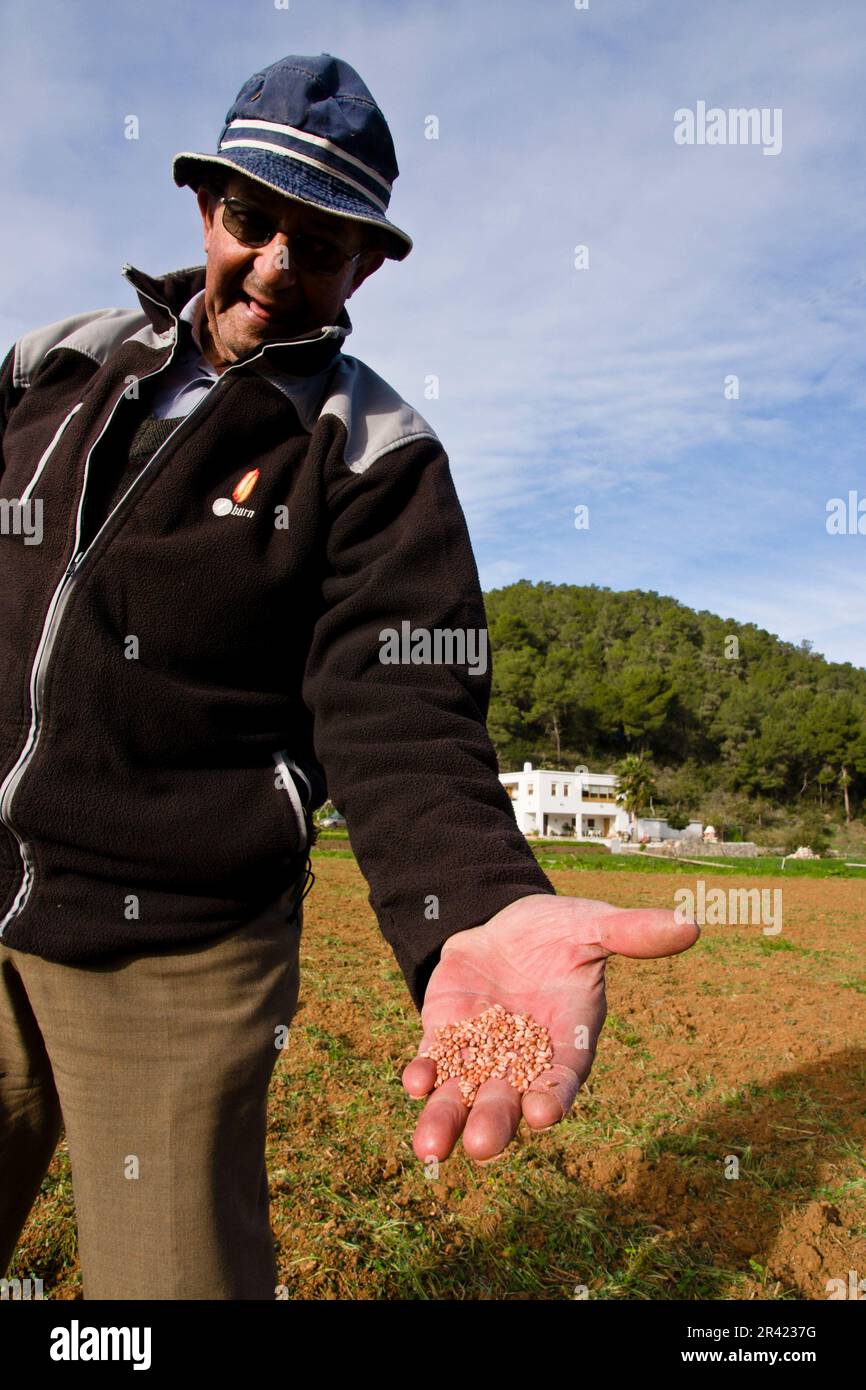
(230, 506)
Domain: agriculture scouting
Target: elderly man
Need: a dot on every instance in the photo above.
(232, 514)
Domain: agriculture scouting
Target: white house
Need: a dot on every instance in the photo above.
(580, 804)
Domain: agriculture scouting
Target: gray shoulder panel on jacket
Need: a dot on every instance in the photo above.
(376, 418)
(95, 334)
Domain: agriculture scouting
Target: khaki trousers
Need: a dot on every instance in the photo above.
(157, 1066)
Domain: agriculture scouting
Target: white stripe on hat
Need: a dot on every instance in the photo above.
(304, 159)
(314, 140)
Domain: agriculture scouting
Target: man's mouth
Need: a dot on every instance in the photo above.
(263, 312)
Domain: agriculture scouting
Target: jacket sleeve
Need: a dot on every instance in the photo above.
(404, 744)
(9, 396)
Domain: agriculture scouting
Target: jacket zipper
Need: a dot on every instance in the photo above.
(60, 598)
(284, 763)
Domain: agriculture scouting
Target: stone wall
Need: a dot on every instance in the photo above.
(693, 848)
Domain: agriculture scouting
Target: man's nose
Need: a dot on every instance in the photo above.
(274, 264)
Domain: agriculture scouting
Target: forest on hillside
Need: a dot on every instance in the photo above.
(736, 725)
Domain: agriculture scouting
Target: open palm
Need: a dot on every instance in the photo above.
(543, 955)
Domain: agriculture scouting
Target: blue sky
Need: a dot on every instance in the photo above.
(558, 386)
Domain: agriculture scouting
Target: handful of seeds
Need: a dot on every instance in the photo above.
(493, 1045)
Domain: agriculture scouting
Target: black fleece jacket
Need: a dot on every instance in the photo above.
(182, 688)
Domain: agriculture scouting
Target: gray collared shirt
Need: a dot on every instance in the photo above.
(191, 375)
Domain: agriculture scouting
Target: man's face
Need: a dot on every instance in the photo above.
(254, 295)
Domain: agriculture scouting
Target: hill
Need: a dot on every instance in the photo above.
(737, 724)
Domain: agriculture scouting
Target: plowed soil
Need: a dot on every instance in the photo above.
(717, 1151)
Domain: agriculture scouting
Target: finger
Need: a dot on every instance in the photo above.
(441, 1122)
(493, 1120)
(419, 1077)
(643, 933)
(550, 1096)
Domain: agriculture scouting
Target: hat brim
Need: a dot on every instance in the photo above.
(292, 180)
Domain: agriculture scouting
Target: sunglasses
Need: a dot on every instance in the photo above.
(251, 227)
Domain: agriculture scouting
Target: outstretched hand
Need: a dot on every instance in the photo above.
(543, 955)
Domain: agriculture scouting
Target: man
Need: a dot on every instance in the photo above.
(234, 519)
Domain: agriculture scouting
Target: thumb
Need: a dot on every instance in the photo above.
(641, 932)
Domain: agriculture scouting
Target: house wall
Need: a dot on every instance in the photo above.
(543, 806)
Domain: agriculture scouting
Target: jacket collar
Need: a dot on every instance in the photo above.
(162, 297)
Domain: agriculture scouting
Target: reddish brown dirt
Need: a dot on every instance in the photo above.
(741, 1048)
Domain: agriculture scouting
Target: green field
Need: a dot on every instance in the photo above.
(552, 854)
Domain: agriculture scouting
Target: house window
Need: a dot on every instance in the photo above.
(553, 789)
(565, 787)
(530, 789)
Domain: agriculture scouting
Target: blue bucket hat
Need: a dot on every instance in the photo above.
(310, 129)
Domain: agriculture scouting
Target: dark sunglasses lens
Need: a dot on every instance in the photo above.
(315, 255)
(247, 225)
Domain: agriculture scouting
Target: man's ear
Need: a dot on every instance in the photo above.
(206, 206)
(367, 265)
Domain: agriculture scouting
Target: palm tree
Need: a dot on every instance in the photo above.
(636, 786)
